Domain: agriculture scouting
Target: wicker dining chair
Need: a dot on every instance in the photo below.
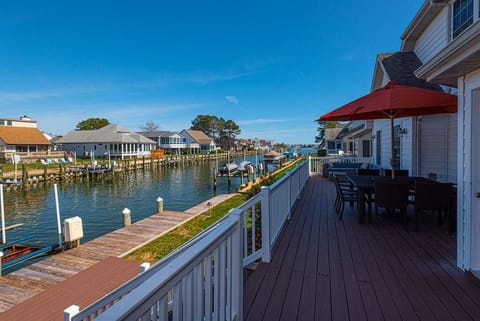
(433, 196)
(345, 194)
(392, 195)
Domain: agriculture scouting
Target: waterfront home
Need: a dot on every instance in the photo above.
(23, 121)
(445, 35)
(352, 139)
(171, 142)
(333, 145)
(113, 140)
(194, 137)
(20, 139)
(424, 145)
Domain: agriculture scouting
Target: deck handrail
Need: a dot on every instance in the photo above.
(316, 163)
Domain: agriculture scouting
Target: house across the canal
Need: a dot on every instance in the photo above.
(20, 137)
(113, 140)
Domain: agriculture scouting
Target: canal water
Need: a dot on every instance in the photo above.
(99, 202)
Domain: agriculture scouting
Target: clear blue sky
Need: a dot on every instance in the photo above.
(271, 66)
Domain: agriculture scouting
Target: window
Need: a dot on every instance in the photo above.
(462, 16)
(366, 148)
(331, 145)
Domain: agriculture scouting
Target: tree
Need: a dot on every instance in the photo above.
(206, 123)
(221, 130)
(149, 127)
(92, 123)
(322, 125)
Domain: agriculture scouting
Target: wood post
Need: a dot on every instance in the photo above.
(159, 205)
(127, 218)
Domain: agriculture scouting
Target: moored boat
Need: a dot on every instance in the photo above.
(228, 169)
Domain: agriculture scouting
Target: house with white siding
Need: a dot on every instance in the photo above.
(113, 140)
(446, 37)
(171, 142)
(198, 138)
(424, 145)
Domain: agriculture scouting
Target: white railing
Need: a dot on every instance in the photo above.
(316, 163)
(203, 278)
(204, 282)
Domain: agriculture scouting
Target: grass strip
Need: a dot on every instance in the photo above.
(168, 242)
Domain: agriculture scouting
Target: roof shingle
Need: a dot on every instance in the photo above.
(22, 136)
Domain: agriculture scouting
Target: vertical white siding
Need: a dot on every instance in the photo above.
(438, 146)
(434, 38)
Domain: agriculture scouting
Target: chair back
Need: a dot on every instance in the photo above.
(368, 172)
(433, 196)
(391, 194)
(398, 172)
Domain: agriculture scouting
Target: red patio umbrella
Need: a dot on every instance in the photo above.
(394, 101)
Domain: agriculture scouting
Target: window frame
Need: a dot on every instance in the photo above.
(475, 18)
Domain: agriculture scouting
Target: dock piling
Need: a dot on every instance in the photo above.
(159, 205)
(127, 217)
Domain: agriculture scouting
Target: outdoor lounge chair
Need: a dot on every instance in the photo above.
(433, 196)
(392, 195)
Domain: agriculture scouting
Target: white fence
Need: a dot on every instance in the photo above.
(203, 279)
(316, 163)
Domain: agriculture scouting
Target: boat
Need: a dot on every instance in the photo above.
(246, 167)
(16, 252)
(228, 169)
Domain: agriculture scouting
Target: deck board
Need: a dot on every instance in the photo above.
(326, 269)
(27, 282)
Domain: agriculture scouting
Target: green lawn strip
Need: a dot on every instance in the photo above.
(166, 243)
(170, 241)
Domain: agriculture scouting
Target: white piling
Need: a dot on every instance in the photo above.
(159, 205)
(4, 235)
(57, 207)
(127, 218)
(144, 266)
(70, 312)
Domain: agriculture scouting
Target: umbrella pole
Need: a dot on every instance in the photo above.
(392, 148)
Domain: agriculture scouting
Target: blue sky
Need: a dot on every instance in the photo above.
(271, 66)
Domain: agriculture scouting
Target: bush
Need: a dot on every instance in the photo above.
(321, 153)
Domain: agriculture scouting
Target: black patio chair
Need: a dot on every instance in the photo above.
(435, 197)
(368, 172)
(392, 195)
(345, 193)
(398, 172)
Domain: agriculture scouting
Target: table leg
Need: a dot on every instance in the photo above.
(361, 206)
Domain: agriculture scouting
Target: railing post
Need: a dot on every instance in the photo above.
(309, 165)
(266, 251)
(237, 266)
(70, 312)
(289, 193)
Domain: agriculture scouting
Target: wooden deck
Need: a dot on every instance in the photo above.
(326, 269)
(23, 284)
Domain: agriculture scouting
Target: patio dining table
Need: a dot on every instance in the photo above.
(366, 187)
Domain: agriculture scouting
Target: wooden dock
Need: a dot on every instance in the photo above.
(25, 283)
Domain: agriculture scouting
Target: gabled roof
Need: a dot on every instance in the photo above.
(109, 134)
(400, 67)
(331, 134)
(22, 136)
(161, 133)
(199, 136)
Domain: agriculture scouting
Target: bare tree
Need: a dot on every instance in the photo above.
(149, 127)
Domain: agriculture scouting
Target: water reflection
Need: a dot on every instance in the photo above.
(99, 202)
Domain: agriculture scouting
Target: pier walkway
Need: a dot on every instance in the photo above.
(25, 283)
